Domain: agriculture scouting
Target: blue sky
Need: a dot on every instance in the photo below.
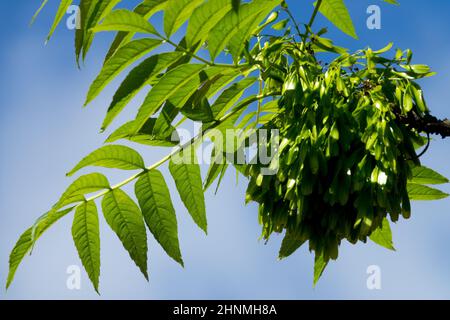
(44, 131)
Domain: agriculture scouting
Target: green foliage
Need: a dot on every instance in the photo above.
(383, 235)
(421, 192)
(86, 234)
(59, 15)
(125, 219)
(124, 57)
(25, 242)
(144, 73)
(346, 161)
(159, 214)
(424, 175)
(124, 20)
(112, 156)
(337, 13)
(186, 173)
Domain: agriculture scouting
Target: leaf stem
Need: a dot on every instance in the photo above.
(313, 17)
(291, 16)
(197, 57)
(258, 114)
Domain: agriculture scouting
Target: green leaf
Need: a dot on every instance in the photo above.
(84, 185)
(179, 79)
(25, 242)
(154, 199)
(291, 242)
(237, 43)
(38, 11)
(163, 124)
(392, 2)
(86, 9)
(98, 10)
(177, 13)
(113, 156)
(222, 174)
(228, 26)
(320, 263)
(204, 18)
(146, 9)
(124, 57)
(420, 192)
(63, 6)
(147, 135)
(230, 96)
(198, 110)
(218, 164)
(419, 69)
(125, 20)
(424, 175)
(140, 76)
(236, 5)
(186, 173)
(383, 235)
(86, 235)
(280, 25)
(125, 219)
(337, 13)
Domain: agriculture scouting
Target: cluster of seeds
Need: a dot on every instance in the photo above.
(344, 156)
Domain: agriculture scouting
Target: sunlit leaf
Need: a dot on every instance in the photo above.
(146, 9)
(140, 76)
(320, 263)
(228, 26)
(421, 192)
(86, 235)
(25, 242)
(156, 205)
(337, 13)
(204, 18)
(291, 242)
(177, 13)
(125, 219)
(63, 6)
(82, 186)
(181, 81)
(424, 175)
(383, 235)
(185, 170)
(125, 20)
(124, 57)
(112, 156)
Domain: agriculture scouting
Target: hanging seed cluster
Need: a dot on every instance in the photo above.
(344, 155)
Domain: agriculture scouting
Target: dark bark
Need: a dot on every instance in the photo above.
(428, 124)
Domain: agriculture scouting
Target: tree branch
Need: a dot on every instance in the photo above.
(428, 124)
